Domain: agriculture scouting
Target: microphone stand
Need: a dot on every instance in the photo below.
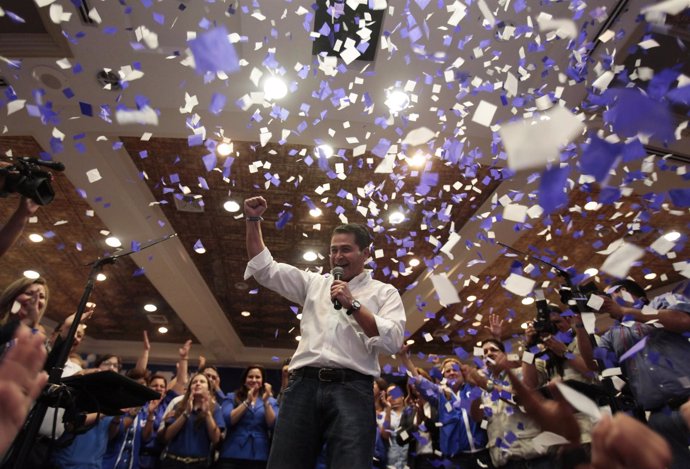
(17, 456)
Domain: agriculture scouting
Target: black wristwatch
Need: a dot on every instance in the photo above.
(354, 307)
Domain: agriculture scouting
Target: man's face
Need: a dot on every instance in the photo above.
(212, 377)
(346, 254)
(493, 353)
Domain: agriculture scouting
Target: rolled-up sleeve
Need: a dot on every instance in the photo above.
(390, 321)
(284, 279)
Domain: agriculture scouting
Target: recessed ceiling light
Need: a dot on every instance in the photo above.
(163, 330)
(32, 274)
(298, 338)
(315, 212)
(476, 323)
(323, 151)
(650, 276)
(528, 300)
(101, 277)
(246, 314)
(397, 100)
(299, 316)
(224, 149)
(672, 236)
(592, 205)
(200, 249)
(309, 256)
(274, 88)
(396, 217)
(35, 237)
(523, 325)
(471, 298)
(418, 159)
(231, 206)
(591, 272)
(150, 308)
(113, 242)
(414, 262)
(409, 341)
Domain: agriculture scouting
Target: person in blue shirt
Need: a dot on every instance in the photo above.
(87, 449)
(462, 440)
(192, 428)
(250, 413)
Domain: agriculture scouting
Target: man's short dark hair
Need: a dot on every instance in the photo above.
(362, 236)
(496, 342)
(632, 287)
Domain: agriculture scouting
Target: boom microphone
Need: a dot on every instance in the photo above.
(337, 273)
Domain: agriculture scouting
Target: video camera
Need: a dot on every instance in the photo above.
(580, 295)
(26, 178)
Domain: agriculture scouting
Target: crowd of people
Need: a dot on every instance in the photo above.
(546, 399)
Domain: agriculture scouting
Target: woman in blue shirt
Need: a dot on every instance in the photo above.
(192, 428)
(249, 413)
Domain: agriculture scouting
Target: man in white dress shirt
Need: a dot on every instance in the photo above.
(329, 397)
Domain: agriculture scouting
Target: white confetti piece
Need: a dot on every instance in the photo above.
(595, 302)
(419, 136)
(14, 106)
(515, 212)
(144, 116)
(662, 245)
(564, 28)
(484, 114)
(58, 15)
(447, 294)
(618, 263)
(93, 175)
(447, 248)
(519, 285)
(580, 402)
(532, 143)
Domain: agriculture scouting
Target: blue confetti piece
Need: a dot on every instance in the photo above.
(680, 197)
(195, 140)
(217, 103)
(680, 95)
(210, 161)
(68, 93)
(633, 113)
(136, 246)
(138, 272)
(86, 109)
(598, 157)
(198, 246)
(283, 219)
(551, 193)
(213, 52)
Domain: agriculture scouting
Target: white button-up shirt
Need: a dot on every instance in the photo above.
(331, 338)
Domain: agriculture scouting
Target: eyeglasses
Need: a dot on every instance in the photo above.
(112, 365)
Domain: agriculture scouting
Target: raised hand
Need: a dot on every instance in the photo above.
(268, 391)
(184, 350)
(147, 344)
(255, 206)
(495, 326)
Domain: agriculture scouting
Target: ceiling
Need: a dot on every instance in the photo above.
(144, 182)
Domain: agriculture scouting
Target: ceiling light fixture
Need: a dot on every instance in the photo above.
(310, 256)
(298, 338)
(163, 330)
(35, 237)
(591, 272)
(231, 206)
(672, 236)
(418, 159)
(396, 217)
(650, 276)
(397, 100)
(315, 212)
(150, 308)
(323, 151)
(414, 262)
(528, 300)
(31, 274)
(409, 341)
(592, 205)
(246, 314)
(224, 149)
(471, 298)
(113, 242)
(101, 277)
(274, 88)
(523, 325)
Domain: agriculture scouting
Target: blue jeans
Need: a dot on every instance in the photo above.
(339, 414)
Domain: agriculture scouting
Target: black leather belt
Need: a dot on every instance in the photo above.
(330, 375)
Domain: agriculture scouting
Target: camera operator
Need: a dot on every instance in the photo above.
(557, 344)
(657, 370)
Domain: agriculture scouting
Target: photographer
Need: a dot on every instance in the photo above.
(657, 370)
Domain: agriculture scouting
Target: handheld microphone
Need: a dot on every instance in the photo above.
(337, 273)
